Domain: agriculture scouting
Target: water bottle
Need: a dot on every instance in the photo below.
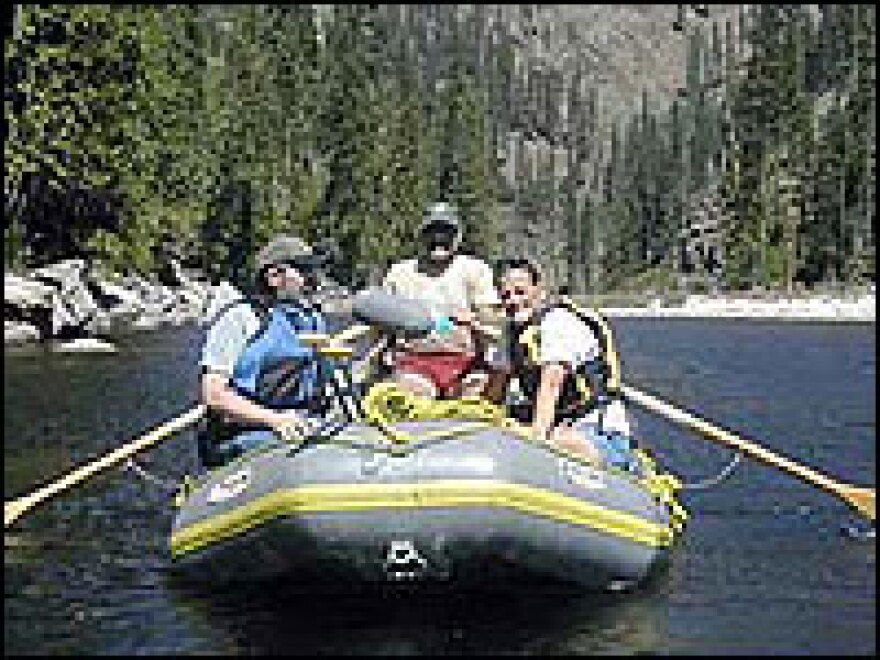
(443, 325)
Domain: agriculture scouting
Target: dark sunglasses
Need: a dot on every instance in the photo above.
(302, 268)
(439, 231)
(504, 295)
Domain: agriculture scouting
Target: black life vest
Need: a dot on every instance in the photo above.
(590, 384)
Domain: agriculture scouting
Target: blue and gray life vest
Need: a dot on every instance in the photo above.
(275, 369)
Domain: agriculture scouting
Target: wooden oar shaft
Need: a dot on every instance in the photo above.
(350, 333)
(12, 510)
(713, 432)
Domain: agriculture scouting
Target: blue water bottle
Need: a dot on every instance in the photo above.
(442, 325)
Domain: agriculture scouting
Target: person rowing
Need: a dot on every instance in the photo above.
(259, 381)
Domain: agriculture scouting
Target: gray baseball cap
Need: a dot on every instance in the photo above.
(441, 213)
(288, 249)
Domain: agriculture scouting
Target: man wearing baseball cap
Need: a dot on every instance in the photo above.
(258, 379)
(459, 291)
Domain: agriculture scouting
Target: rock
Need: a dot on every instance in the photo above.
(151, 319)
(70, 300)
(85, 344)
(189, 300)
(62, 318)
(136, 285)
(61, 273)
(19, 333)
(25, 293)
(74, 309)
(197, 295)
(120, 305)
(179, 275)
(110, 294)
(73, 305)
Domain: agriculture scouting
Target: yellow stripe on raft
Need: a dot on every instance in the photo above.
(442, 493)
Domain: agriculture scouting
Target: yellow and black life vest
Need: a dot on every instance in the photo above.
(588, 385)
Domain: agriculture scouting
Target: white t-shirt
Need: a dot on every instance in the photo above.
(566, 339)
(219, 296)
(227, 335)
(466, 283)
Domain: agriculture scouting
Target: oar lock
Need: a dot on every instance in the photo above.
(321, 344)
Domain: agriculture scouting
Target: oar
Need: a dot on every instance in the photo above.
(861, 499)
(324, 340)
(394, 310)
(16, 508)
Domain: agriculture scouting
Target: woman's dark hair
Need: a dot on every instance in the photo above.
(518, 263)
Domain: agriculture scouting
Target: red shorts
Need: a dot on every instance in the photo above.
(445, 370)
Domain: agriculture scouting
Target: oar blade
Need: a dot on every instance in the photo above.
(12, 511)
(859, 498)
(863, 500)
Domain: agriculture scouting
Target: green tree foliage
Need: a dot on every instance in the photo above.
(467, 170)
(222, 125)
(68, 99)
(799, 172)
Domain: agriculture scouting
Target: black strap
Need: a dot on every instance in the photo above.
(595, 372)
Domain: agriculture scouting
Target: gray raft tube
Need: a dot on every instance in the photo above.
(516, 514)
(396, 314)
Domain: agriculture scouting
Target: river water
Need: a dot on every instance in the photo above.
(766, 565)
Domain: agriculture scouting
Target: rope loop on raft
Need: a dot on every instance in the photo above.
(387, 403)
(718, 478)
(164, 484)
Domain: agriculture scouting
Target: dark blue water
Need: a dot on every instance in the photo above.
(763, 568)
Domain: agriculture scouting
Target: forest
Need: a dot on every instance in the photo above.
(135, 131)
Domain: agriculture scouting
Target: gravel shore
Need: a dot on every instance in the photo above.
(860, 309)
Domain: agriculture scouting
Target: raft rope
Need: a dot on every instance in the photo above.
(164, 484)
(718, 478)
(386, 404)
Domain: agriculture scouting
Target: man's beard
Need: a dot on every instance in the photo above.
(290, 294)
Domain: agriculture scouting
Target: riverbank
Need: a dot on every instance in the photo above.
(71, 306)
(69, 302)
(856, 308)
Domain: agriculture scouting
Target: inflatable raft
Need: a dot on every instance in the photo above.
(462, 502)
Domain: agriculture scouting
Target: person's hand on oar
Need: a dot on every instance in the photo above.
(291, 426)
